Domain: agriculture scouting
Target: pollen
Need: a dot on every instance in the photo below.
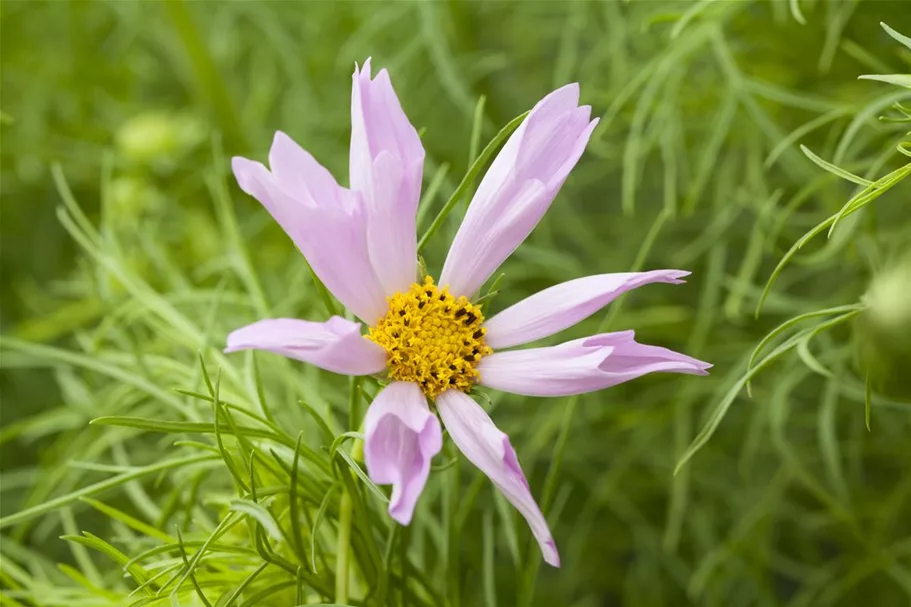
(432, 338)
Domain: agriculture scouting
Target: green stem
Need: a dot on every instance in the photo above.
(344, 541)
(354, 397)
(346, 506)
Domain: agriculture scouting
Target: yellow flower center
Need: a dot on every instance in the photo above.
(432, 338)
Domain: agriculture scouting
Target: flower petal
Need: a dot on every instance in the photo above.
(563, 305)
(489, 449)
(335, 345)
(386, 166)
(295, 170)
(325, 221)
(582, 365)
(518, 188)
(402, 436)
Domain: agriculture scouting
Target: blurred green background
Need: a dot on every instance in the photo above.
(127, 111)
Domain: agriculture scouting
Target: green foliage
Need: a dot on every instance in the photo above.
(740, 140)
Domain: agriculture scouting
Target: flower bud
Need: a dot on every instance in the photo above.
(153, 137)
(883, 331)
(132, 197)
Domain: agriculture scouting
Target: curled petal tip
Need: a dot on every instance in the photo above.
(551, 556)
(563, 99)
(402, 436)
(582, 365)
(401, 514)
(675, 277)
(572, 87)
(243, 172)
(360, 70)
(283, 143)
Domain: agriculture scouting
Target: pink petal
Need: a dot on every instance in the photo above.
(297, 172)
(402, 436)
(335, 345)
(582, 365)
(325, 221)
(561, 306)
(386, 166)
(489, 449)
(518, 188)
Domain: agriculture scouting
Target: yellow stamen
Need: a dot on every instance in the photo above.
(432, 338)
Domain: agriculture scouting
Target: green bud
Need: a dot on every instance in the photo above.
(206, 242)
(883, 331)
(158, 136)
(132, 197)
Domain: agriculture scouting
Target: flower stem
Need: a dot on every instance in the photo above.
(341, 558)
(346, 506)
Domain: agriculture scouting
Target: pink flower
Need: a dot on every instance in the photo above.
(431, 341)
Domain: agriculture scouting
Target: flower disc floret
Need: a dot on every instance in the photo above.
(432, 338)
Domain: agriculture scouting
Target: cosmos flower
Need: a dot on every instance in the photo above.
(428, 339)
